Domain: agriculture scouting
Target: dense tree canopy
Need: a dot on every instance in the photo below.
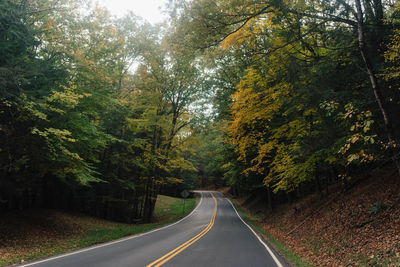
(315, 96)
(101, 114)
(78, 122)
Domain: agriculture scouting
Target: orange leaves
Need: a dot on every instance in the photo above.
(51, 24)
(240, 36)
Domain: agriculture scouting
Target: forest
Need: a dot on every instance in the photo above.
(100, 114)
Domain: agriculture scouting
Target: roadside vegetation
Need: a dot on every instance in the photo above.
(355, 227)
(283, 101)
(95, 111)
(306, 103)
(39, 233)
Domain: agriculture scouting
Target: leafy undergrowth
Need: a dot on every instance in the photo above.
(357, 227)
(32, 234)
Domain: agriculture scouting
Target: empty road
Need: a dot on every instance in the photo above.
(212, 235)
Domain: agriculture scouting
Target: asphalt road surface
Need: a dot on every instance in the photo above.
(212, 235)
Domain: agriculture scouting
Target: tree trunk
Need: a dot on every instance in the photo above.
(374, 82)
(327, 186)
(147, 209)
(318, 186)
(270, 199)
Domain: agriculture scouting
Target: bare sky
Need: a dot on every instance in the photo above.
(147, 9)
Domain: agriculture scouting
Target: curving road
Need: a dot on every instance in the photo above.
(212, 235)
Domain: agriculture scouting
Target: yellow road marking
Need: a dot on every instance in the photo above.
(179, 249)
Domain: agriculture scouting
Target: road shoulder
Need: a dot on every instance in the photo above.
(284, 254)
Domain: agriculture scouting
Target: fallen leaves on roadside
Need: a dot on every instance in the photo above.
(343, 232)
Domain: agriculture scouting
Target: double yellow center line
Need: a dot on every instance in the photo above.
(185, 245)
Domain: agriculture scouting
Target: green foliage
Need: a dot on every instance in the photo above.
(79, 129)
(287, 77)
(208, 149)
(291, 107)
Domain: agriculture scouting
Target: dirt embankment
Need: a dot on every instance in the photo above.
(357, 227)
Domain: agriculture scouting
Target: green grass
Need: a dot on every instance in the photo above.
(172, 207)
(287, 253)
(167, 210)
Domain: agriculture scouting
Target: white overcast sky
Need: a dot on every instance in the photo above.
(149, 10)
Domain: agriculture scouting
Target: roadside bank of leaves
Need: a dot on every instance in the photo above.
(358, 227)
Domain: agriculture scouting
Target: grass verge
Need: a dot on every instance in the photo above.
(65, 232)
(286, 252)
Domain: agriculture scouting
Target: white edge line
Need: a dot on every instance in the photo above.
(278, 263)
(116, 241)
